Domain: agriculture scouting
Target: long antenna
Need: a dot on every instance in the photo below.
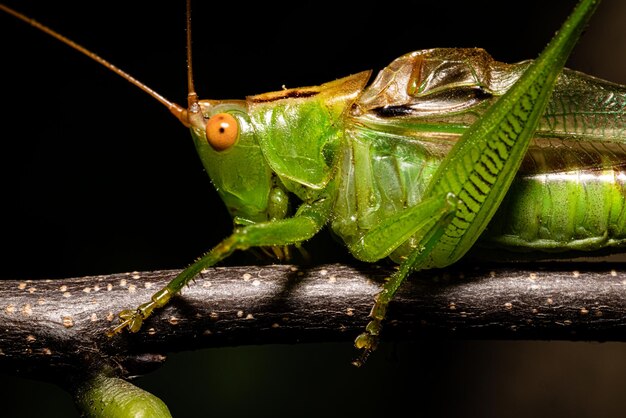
(192, 97)
(176, 110)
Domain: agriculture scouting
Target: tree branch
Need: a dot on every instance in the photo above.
(53, 329)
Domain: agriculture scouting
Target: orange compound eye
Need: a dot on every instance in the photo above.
(222, 131)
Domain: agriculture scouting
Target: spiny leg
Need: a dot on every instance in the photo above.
(307, 222)
(416, 260)
(133, 318)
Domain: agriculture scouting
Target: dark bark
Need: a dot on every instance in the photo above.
(56, 328)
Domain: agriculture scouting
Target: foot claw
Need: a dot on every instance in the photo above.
(130, 319)
(367, 342)
(360, 361)
(119, 328)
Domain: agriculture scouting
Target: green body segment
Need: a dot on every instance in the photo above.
(299, 129)
(562, 211)
(554, 211)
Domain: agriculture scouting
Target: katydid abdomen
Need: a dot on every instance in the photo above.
(555, 211)
(577, 210)
(569, 194)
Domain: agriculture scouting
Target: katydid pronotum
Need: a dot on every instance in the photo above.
(368, 116)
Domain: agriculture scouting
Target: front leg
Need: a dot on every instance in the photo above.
(307, 221)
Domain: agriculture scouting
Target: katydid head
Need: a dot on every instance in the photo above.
(226, 144)
(256, 150)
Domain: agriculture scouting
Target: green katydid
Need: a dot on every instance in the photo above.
(365, 161)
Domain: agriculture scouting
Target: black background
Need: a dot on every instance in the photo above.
(99, 178)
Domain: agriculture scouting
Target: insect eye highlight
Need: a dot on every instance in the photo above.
(222, 131)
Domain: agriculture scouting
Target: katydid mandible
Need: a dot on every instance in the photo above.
(414, 166)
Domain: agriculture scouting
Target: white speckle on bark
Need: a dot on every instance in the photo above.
(27, 310)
